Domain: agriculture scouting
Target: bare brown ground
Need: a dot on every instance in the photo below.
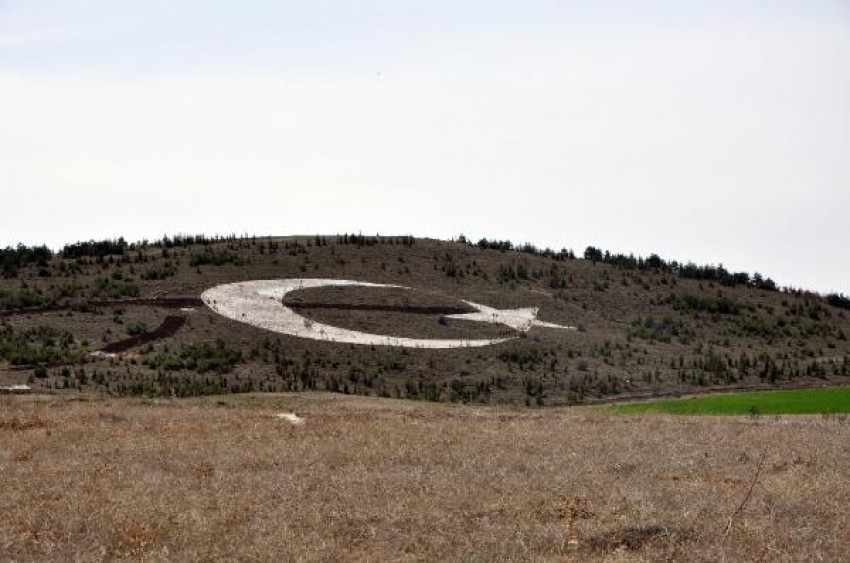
(392, 311)
(87, 478)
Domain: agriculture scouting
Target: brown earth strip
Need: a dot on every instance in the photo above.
(164, 302)
(169, 327)
(412, 309)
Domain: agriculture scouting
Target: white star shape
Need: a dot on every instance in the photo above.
(518, 319)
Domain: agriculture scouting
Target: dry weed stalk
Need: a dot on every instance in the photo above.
(571, 510)
(731, 520)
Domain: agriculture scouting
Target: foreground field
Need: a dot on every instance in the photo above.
(365, 479)
(825, 401)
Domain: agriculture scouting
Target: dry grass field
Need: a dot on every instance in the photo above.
(86, 477)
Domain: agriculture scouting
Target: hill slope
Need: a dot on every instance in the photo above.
(645, 327)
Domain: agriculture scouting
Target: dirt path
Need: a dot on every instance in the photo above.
(168, 328)
(164, 302)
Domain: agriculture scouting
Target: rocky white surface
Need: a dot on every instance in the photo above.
(260, 303)
(518, 319)
(15, 389)
(290, 417)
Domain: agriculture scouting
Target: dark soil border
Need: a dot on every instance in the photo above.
(411, 309)
(168, 328)
(164, 302)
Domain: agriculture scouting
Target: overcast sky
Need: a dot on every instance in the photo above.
(714, 131)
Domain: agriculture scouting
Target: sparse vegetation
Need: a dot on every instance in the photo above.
(41, 345)
(646, 325)
(224, 478)
(711, 305)
(838, 300)
(216, 259)
(13, 259)
(202, 357)
(661, 330)
(97, 249)
(114, 288)
(22, 298)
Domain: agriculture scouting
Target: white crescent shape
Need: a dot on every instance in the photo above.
(260, 303)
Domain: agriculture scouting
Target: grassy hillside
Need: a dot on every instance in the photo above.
(365, 479)
(645, 326)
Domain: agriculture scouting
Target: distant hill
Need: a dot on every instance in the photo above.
(126, 318)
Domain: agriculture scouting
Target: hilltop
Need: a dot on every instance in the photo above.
(127, 319)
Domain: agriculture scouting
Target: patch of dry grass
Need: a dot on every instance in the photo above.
(390, 480)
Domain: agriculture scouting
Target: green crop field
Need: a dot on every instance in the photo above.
(798, 401)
